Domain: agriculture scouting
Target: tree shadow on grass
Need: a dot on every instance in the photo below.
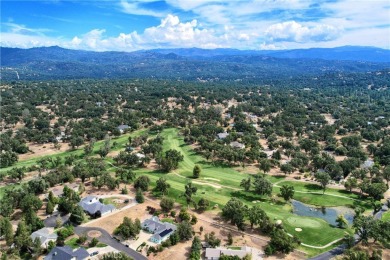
(219, 164)
(312, 186)
(346, 192)
(279, 177)
(247, 196)
(158, 171)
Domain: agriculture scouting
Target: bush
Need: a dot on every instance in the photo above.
(93, 242)
(167, 204)
(139, 197)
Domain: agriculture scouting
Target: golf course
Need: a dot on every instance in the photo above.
(220, 183)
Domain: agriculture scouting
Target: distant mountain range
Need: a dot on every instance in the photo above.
(187, 64)
(353, 53)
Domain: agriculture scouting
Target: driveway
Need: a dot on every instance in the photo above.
(107, 239)
(142, 237)
(104, 238)
(51, 221)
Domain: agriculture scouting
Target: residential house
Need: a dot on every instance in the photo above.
(59, 191)
(122, 128)
(45, 235)
(67, 253)
(258, 128)
(140, 156)
(238, 145)
(161, 230)
(222, 135)
(93, 207)
(368, 164)
(216, 253)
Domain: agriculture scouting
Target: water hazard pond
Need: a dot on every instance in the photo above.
(329, 214)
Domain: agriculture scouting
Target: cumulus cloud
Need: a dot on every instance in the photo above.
(26, 41)
(292, 31)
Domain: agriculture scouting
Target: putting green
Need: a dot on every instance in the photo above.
(303, 222)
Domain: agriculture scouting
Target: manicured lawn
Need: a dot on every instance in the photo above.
(386, 216)
(345, 198)
(313, 251)
(72, 243)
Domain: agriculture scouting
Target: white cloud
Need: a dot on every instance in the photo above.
(254, 24)
(295, 32)
(22, 29)
(27, 41)
(134, 7)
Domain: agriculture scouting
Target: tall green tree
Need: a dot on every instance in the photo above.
(195, 249)
(256, 215)
(246, 184)
(142, 182)
(162, 185)
(235, 211)
(184, 230)
(139, 196)
(6, 231)
(262, 186)
(196, 171)
(189, 191)
(323, 178)
(280, 242)
(287, 192)
(22, 237)
(77, 215)
(167, 204)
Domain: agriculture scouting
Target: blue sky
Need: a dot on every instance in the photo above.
(127, 25)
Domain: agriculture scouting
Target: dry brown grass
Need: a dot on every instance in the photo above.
(38, 150)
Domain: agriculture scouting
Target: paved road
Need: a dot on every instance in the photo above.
(331, 253)
(107, 239)
(51, 221)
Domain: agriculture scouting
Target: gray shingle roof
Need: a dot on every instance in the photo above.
(236, 144)
(217, 252)
(222, 135)
(122, 127)
(92, 205)
(66, 253)
(159, 229)
(44, 235)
